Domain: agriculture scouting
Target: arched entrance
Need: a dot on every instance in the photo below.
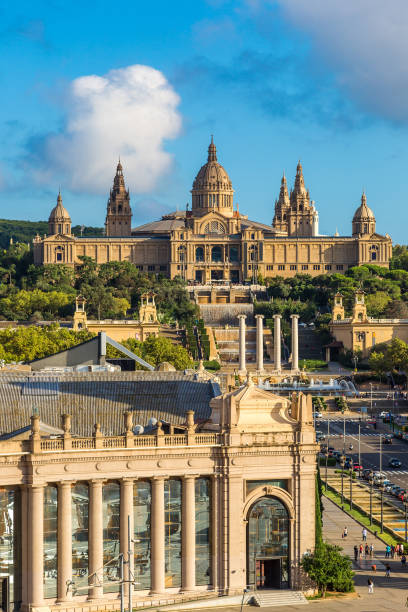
(268, 544)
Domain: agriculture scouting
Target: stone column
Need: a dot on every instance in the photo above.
(95, 539)
(157, 535)
(242, 361)
(64, 547)
(126, 509)
(259, 342)
(295, 342)
(36, 545)
(277, 341)
(188, 533)
(215, 529)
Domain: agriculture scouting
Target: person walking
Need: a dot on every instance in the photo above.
(371, 551)
(345, 532)
(361, 551)
(403, 561)
(387, 571)
(355, 552)
(366, 551)
(370, 586)
(392, 551)
(387, 551)
(364, 534)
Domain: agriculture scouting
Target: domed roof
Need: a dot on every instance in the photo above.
(363, 212)
(59, 212)
(212, 175)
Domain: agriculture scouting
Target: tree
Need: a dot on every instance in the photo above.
(396, 309)
(329, 569)
(376, 303)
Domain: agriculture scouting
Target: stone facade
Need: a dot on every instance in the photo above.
(212, 506)
(214, 241)
(361, 332)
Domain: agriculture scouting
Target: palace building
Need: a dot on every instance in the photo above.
(214, 241)
(218, 490)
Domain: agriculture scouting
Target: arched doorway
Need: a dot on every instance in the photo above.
(268, 544)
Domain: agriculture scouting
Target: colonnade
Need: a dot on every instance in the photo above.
(277, 343)
(35, 536)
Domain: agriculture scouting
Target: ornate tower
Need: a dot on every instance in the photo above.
(119, 214)
(338, 308)
(364, 219)
(59, 221)
(212, 189)
(282, 204)
(302, 213)
(359, 307)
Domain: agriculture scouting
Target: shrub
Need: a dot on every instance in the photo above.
(312, 364)
(329, 569)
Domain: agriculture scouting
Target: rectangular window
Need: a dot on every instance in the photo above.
(10, 567)
(59, 256)
(139, 267)
(163, 268)
(142, 500)
(111, 526)
(151, 268)
(269, 267)
(50, 541)
(328, 267)
(339, 267)
(305, 267)
(203, 530)
(172, 538)
(80, 510)
(281, 267)
(316, 267)
(293, 267)
(178, 267)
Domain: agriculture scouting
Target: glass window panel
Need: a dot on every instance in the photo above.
(172, 523)
(10, 541)
(80, 509)
(268, 540)
(203, 530)
(111, 526)
(50, 541)
(142, 500)
(254, 484)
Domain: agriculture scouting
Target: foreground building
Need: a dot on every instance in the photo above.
(214, 241)
(218, 490)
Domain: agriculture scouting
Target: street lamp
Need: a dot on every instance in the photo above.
(351, 490)
(359, 449)
(371, 400)
(371, 481)
(382, 517)
(342, 458)
(405, 505)
(327, 450)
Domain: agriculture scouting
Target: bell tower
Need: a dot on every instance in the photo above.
(338, 308)
(119, 214)
(302, 213)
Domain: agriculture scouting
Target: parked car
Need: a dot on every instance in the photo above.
(357, 466)
(396, 490)
(388, 487)
(394, 463)
(387, 439)
(317, 415)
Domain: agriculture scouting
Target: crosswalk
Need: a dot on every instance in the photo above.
(340, 435)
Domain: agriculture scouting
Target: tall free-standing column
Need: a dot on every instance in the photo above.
(95, 539)
(157, 535)
(295, 341)
(277, 341)
(36, 544)
(242, 361)
(188, 533)
(64, 547)
(126, 510)
(259, 342)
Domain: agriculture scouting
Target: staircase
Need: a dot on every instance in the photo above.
(176, 336)
(265, 599)
(310, 345)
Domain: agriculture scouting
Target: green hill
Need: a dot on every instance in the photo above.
(24, 231)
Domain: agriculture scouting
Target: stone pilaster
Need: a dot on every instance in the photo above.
(295, 342)
(36, 545)
(95, 539)
(64, 547)
(126, 510)
(259, 343)
(188, 533)
(157, 535)
(277, 342)
(242, 359)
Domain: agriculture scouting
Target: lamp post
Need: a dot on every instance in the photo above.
(359, 448)
(344, 433)
(382, 517)
(351, 490)
(342, 458)
(381, 455)
(327, 451)
(371, 499)
(371, 400)
(406, 531)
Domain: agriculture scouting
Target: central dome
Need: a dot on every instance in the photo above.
(212, 188)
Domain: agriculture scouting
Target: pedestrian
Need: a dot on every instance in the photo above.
(366, 551)
(387, 571)
(361, 551)
(392, 551)
(345, 532)
(355, 552)
(370, 586)
(397, 549)
(371, 551)
(364, 534)
(402, 549)
(403, 560)
(387, 551)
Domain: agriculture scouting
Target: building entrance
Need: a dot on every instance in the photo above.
(268, 545)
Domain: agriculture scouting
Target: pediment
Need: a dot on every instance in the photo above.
(59, 238)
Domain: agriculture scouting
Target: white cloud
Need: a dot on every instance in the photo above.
(128, 112)
(365, 42)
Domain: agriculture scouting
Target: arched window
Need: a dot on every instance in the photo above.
(338, 317)
(373, 252)
(199, 254)
(268, 544)
(214, 227)
(216, 254)
(360, 316)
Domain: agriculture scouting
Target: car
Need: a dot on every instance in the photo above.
(317, 415)
(331, 449)
(394, 463)
(388, 487)
(323, 448)
(371, 421)
(357, 466)
(348, 464)
(402, 494)
(396, 491)
(387, 439)
(383, 414)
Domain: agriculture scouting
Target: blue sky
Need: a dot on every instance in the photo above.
(273, 80)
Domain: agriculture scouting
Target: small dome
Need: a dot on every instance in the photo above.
(363, 212)
(59, 213)
(212, 175)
